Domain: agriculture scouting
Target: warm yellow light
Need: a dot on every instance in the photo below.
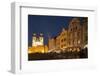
(78, 41)
(38, 49)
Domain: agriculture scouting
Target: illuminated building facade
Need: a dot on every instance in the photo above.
(38, 44)
(72, 38)
(75, 35)
(58, 42)
(37, 41)
(63, 39)
(52, 44)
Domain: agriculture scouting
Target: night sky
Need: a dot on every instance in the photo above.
(50, 26)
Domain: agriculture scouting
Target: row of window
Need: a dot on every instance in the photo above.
(73, 29)
(63, 40)
(75, 34)
(64, 45)
(74, 42)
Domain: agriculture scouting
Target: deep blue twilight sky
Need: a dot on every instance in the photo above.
(50, 26)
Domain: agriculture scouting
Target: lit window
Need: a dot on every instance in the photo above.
(78, 41)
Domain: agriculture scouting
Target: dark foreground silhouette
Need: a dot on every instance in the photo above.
(62, 55)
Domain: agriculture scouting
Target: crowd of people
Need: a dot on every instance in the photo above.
(83, 53)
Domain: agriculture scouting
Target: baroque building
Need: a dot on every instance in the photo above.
(72, 38)
(63, 39)
(74, 35)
